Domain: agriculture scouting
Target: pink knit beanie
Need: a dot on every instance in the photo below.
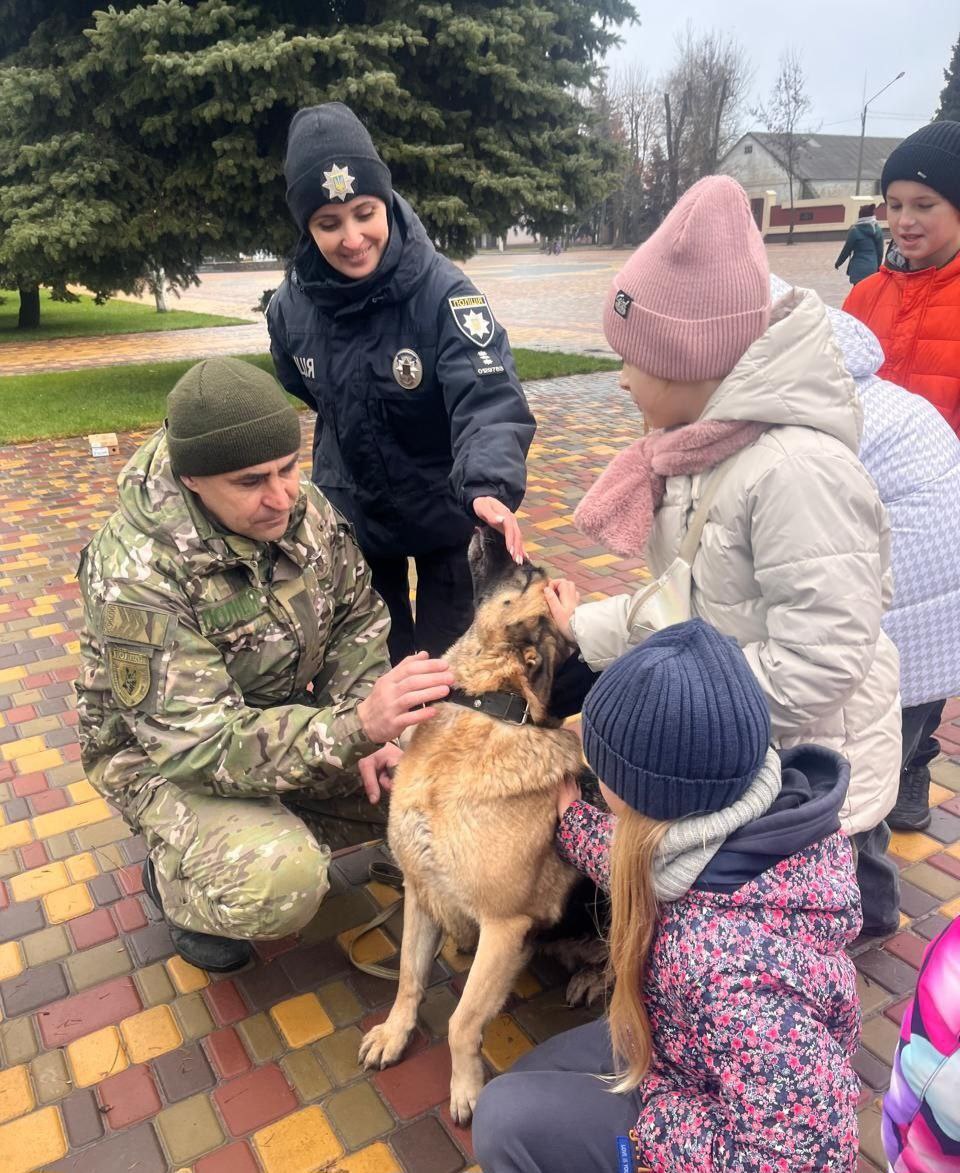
(696, 295)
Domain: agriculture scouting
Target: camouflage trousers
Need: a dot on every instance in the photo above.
(249, 868)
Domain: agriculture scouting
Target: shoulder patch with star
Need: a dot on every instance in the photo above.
(473, 317)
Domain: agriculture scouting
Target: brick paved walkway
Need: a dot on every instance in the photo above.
(116, 1056)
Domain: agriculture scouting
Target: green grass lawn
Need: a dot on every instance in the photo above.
(71, 319)
(117, 399)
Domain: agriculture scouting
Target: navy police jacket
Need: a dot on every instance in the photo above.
(419, 408)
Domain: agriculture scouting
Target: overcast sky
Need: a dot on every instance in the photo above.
(838, 40)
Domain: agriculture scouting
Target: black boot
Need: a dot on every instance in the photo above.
(203, 950)
(912, 812)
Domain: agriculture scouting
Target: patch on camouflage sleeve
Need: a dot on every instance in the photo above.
(135, 625)
(130, 675)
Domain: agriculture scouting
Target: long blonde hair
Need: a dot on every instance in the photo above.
(633, 925)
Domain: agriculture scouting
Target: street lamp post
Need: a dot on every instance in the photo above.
(863, 125)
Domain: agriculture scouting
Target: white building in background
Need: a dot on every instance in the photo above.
(826, 165)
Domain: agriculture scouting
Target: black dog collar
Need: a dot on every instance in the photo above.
(505, 706)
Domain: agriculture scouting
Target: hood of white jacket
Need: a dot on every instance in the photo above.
(862, 353)
(794, 374)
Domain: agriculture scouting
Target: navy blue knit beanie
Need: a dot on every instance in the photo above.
(331, 158)
(678, 725)
(930, 155)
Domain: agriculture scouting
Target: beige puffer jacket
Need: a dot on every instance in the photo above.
(794, 560)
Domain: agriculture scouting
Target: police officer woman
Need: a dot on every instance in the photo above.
(422, 426)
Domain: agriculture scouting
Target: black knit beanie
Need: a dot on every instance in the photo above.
(225, 414)
(331, 159)
(678, 725)
(930, 155)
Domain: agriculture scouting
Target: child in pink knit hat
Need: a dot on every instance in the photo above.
(756, 428)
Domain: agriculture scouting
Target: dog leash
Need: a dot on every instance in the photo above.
(390, 874)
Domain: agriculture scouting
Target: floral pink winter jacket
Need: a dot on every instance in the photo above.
(754, 1013)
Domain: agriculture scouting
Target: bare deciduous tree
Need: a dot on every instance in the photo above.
(784, 116)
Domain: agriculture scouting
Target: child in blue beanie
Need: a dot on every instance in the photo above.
(734, 1016)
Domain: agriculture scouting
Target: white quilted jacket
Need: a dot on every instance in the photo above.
(794, 560)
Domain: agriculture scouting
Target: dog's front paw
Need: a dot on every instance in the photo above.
(382, 1045)
(465, 1087)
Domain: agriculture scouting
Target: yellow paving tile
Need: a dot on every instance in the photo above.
(33, 763)
(67, 903)
(913, 845)
(375, 946)
(69, 818)
(383, 893)
(939, 794)
(46, 629)
(185, 976)
(457, 961)
(302, 1020)
(82, 791)
(150, 1033)
(504, 1042)
(73, 647)
(16, 1094)
(15, 835)
(14, 750)
(32, 1142)
(951, 908)
(376, 1158)
(8, 674)
(39, 881)
(601, 560)
(11, 960)
(954, 850)
(82, 867)
(526, 985)
(300, 1143)
(95, 1056)
(553, 523)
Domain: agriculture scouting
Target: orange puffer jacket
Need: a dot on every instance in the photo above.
(916, 317)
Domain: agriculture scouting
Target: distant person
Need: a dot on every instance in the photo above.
(913, 303)
(864, 246)
(422, 426)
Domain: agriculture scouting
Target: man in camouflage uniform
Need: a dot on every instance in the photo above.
(234, 656)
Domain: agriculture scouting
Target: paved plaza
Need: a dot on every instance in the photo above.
(117, 1057)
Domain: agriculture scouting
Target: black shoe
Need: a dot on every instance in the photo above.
(880, 930)
(912, 812)
(203, 950)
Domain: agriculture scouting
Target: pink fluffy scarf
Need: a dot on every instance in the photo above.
(618, 509)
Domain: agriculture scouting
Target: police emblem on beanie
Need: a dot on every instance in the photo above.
(339, 182)
(408, 369)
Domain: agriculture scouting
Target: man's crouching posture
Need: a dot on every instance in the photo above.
(234, 665)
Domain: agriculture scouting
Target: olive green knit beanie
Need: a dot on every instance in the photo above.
(225, 414)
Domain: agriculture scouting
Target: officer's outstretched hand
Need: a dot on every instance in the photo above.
(376, 770)
(499, 517)
(394, 703)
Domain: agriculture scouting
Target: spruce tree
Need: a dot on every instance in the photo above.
(950, 94)
(140, 138)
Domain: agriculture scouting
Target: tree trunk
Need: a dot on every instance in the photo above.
(29, 318)
(792, 217)
(159, 297)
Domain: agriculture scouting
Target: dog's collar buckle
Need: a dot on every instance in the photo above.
(504, 706)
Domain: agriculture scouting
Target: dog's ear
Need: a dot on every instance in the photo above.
(539, 646)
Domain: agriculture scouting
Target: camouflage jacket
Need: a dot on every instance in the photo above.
(222, 664)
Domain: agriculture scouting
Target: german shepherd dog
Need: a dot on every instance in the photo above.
(473, 815)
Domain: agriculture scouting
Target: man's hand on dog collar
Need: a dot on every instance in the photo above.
(398, 698)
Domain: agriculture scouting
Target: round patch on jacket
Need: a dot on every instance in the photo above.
(408, 369)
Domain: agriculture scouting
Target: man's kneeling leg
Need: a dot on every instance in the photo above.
(244, 869)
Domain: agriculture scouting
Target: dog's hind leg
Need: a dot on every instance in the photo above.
(501, 953)
(384, 1044)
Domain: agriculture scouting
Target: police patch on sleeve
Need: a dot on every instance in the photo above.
(473, 317)
(486, 362)
(622, 303)
(130, 675)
